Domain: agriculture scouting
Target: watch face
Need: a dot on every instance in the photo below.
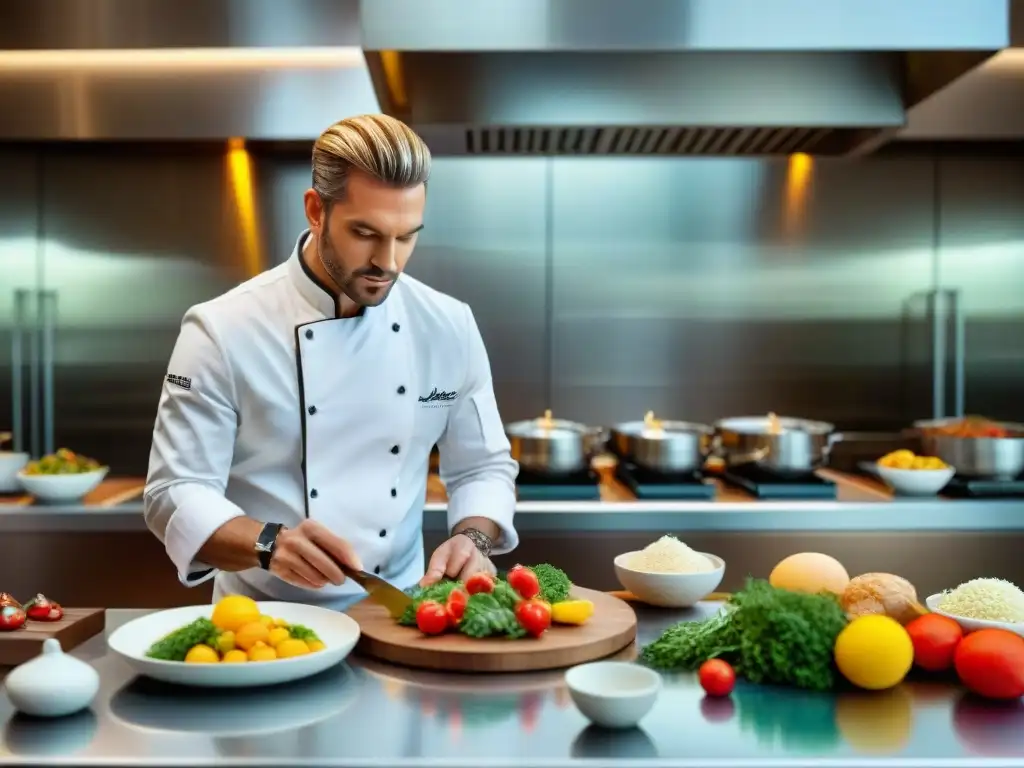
(261, 547)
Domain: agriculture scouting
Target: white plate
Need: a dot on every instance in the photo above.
(972, 625)
(56, 488)
(338, 632)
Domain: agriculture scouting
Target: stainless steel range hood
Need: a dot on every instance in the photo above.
(668, 77)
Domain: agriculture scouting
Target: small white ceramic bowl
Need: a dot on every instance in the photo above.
(916, 482)
(669, 590)
(613, 694)
(972, 625)
(10, 465)
(61, 488)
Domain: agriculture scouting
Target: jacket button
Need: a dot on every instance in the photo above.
(401, 390)
(377, 569)
(313, 494)
(383, 533)
(394, 449)
(311, 410)
(309, 334)
(394, 492)
(395, 327)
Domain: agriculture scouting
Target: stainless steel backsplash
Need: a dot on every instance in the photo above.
(697, 288)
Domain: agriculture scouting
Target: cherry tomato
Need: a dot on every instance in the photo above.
(534, 616)
(990, 662)
(935, 639)
(717, 677)
(11, 618)
(432, 618)
(524, 581)
(456, 606)
(479, 582)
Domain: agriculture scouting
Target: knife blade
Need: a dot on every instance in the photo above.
(380, 591)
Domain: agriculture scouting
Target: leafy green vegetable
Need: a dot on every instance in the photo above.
(554, 583)
(505, 595)
(768, 635)
(485, 616)
(300, 632)
(175, 646)
(438, 592)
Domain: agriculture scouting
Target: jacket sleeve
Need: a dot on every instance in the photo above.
(193, 444)
(477, 467)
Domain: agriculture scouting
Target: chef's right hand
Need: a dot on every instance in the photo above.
(302, 556)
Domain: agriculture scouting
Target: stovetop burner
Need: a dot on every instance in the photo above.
(666, 486)
(768, 485)
(575, 486)
(984, 488)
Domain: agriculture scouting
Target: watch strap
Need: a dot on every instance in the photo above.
(480, 540)
(266, 542)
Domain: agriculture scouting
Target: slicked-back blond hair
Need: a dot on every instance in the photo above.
(379, 146)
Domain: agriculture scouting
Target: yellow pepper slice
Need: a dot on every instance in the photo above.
(572, 611)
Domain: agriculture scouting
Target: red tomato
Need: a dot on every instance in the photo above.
(935, 639)
(717, 677)
(534, 616)
(432, 618)
(524, 581)
(456, 606)
(990, 662)
(479, 582)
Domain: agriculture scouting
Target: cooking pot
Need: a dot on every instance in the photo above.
(999, 458)
(663, 446)
(781, 444)
(554, 446)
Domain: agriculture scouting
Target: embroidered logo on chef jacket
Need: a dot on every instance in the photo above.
(182, 381)
(439, 398)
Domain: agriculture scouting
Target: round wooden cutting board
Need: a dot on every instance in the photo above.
(610, 629)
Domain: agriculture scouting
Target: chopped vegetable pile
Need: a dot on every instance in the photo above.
(768, 635)
(63, 462)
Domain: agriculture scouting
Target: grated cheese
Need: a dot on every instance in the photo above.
(985, 599)
(669, 555)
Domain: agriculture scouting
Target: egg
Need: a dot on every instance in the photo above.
(810, 572)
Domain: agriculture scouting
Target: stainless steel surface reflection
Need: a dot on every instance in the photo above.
(375, 714)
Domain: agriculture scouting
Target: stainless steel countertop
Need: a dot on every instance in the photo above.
(369, 714)
(931, 514)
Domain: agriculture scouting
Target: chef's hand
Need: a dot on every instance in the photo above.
(301, 556)
(458, 558)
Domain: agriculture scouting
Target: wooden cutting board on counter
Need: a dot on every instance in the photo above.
(77, 626)
(609, 630)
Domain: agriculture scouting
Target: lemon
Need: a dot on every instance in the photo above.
(234, 657)
(292, 647)
(201, 654)
(249, 634)
(234, 611)
(572, 611)
(277, 636)
(262, 652)
(874, 652)
(315, 645)
(280, 623)
(226, 641)
(267, 621)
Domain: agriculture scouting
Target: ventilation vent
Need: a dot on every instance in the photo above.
(653, 141)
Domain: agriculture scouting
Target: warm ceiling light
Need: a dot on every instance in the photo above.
(180, 59)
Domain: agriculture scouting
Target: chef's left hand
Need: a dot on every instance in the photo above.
(458, 558)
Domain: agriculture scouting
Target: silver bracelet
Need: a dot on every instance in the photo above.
(480, 540)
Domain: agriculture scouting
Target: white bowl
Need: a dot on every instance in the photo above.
(916, 482)
(670, 590)
(10, 465)
(338, 632)
(613, 694)
(972, 625)
(61, 488)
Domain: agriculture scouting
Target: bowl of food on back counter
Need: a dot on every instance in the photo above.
(668, 447)
(668, 574)
(909, 474)
(781, 444)
(61, 477)
(554, 447)
(976, 446)
(11, 463)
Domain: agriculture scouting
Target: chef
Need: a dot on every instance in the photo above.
(299, 409)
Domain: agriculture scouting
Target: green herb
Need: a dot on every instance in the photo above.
(554, 583)
(505, 595)
(176, 645)
(485, 616)
(300, 632)
(768, 635)
(438, 592)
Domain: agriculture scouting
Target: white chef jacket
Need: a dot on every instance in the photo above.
(276, 408)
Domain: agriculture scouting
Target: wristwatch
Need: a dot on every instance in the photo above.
(480, 540)
(266, 542)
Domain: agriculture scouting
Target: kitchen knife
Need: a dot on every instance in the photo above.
(380, 591)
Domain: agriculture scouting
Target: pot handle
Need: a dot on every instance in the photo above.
(751, 457)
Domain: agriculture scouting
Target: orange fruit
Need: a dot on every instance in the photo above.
(234, 657)
(233, 611)
(291, 647)
(249, 634)
(262, 652)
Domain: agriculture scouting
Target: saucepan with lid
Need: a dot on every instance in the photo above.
(662, 446)
(554, 446)
(777, 443)
(977, 447)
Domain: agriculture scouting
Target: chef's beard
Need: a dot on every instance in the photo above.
(363, 294)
